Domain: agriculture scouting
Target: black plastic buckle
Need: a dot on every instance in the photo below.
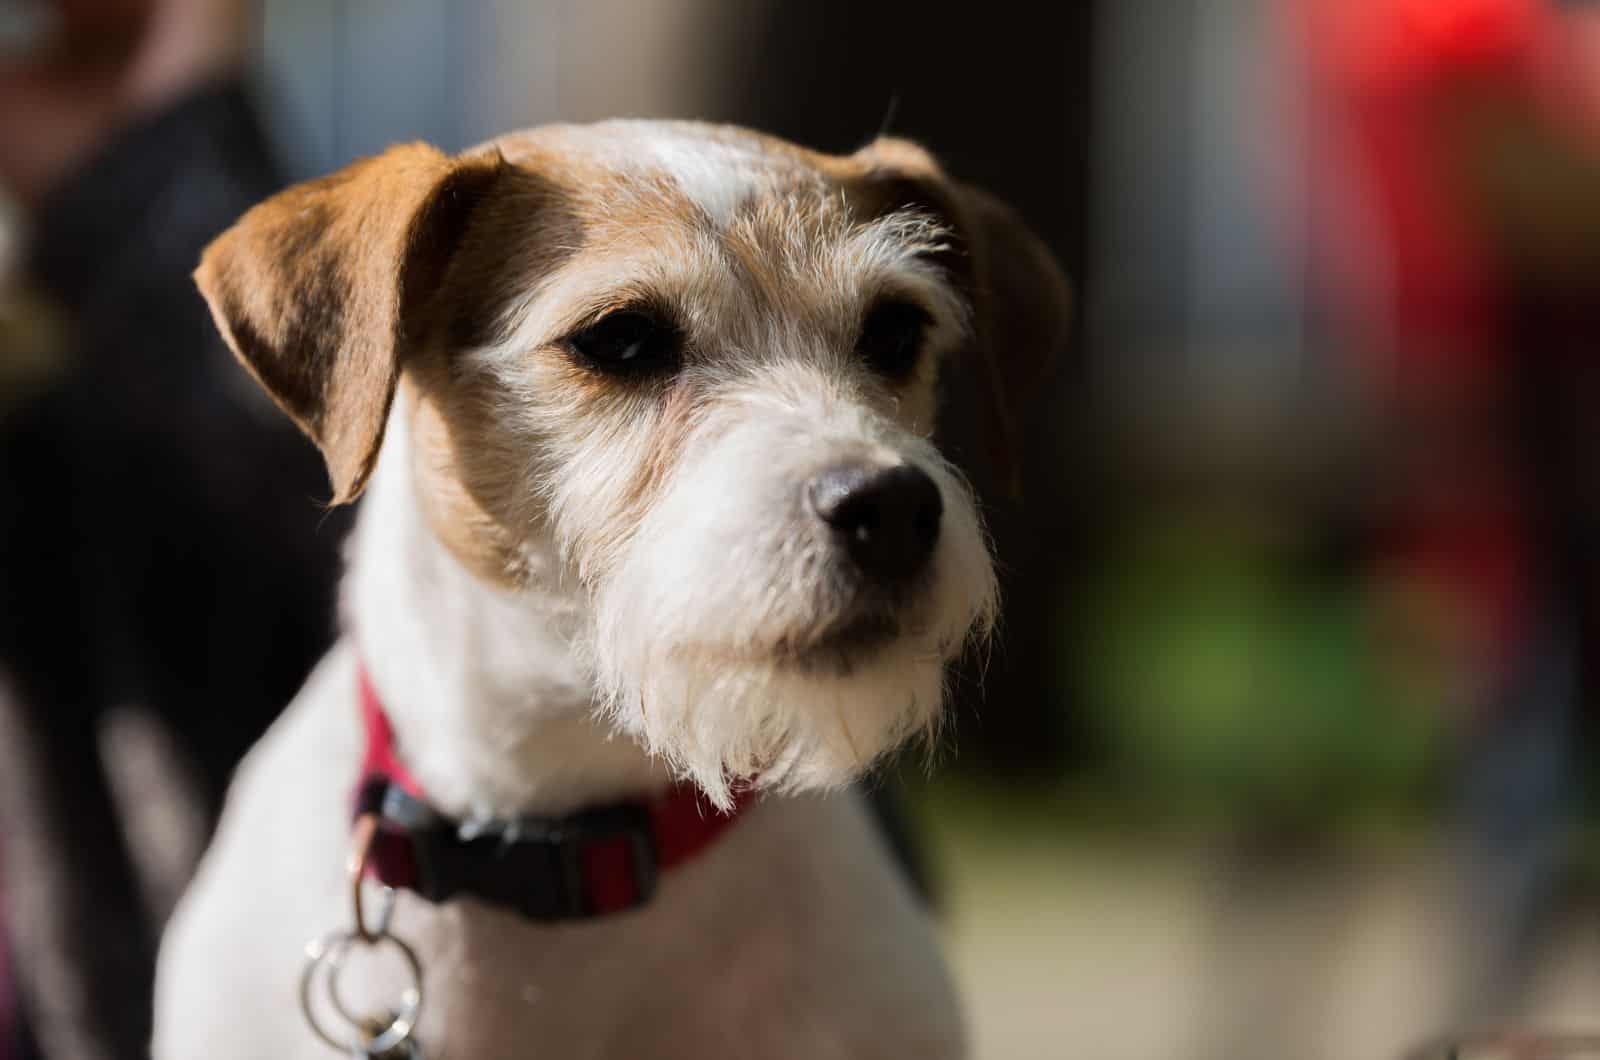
(534, 865)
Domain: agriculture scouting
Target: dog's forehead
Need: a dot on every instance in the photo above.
(715, 169)
(731, 228)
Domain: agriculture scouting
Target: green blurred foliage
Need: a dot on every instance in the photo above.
(1226, 675)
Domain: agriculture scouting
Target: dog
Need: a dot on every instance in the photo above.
(654, 530)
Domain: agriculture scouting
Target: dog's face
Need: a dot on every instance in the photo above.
(690, 369)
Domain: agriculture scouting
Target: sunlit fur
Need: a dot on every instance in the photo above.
(569, 588)
(677, 505)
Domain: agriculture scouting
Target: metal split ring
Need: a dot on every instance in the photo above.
(327, 955)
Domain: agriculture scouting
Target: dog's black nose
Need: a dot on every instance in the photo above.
(888, 519)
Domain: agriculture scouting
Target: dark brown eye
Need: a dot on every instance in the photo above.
(628, 343)
(891, 337)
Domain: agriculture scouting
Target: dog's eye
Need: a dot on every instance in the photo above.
(891, 337)
(627, 342)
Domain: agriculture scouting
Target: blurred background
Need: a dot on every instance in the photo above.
(1285, 752)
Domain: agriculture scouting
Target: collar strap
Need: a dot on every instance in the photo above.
(598, 861)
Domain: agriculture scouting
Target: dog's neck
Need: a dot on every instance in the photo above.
(488, 695)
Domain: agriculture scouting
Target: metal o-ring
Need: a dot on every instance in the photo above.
(328, 953)
(410, 999)
(317, 953)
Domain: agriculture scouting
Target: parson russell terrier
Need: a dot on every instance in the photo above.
(656, 556)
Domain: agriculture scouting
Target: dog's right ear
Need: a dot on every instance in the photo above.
(319, 289)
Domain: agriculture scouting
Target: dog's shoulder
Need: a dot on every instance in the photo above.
(270, 880)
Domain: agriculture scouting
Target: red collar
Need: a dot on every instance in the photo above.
(597, 861)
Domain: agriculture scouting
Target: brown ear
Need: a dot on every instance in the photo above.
(321, 290)
(1021, 300)
(1022, 306)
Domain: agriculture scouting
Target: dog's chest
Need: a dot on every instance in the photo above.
(791, 936)
(736, 957)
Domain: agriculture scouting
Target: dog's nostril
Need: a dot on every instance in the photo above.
(888, 518)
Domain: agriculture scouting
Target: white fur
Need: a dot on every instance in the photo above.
(652, 633)
(684, 649)
(486, 689)
(690, 597)
(793, 938)
(718, 178)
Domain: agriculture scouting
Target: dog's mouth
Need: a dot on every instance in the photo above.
(842, 644)
(838, 647)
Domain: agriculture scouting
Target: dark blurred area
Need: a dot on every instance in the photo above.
(1284, 751)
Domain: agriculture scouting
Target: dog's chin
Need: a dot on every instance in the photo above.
(789, 719)
(840, 646)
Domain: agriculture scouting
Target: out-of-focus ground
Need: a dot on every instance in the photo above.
(1072, 940)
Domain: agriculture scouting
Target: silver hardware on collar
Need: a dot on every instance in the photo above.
(385, 1036)
(380, 1036)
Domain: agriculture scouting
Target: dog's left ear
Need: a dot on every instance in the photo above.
(1021, 300)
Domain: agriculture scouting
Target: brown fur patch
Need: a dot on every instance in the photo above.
(318, 289)
(330, 290)
(470, 476)
(466, 490)
(1022, 302)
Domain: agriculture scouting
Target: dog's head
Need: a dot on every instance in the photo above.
(693, 369)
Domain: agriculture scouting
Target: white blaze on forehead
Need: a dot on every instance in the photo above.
(716, 168)
(715, 175)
